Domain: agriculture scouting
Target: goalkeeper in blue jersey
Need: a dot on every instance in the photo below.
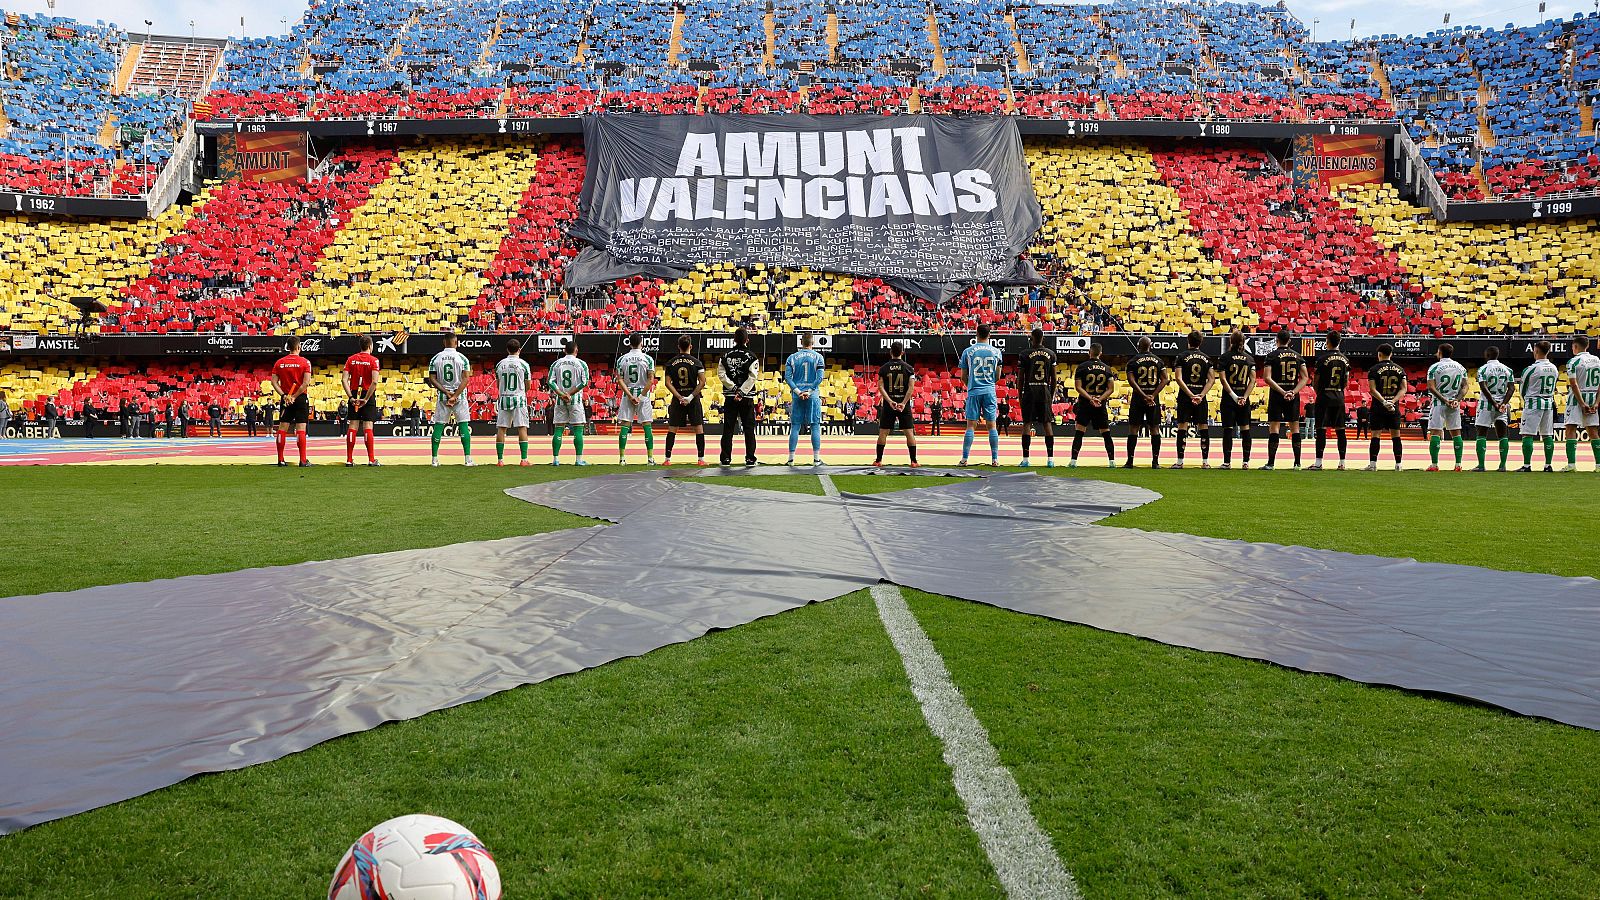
(803, 372)
(981, 364)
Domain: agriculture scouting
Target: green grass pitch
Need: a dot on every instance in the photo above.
(788, 757)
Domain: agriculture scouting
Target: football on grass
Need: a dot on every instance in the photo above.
(416, 858)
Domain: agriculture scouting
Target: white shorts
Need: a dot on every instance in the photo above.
(1576, 417)
(511, 418)
(443, 412)
(1538, 422)
(1488, 415)
(568, 412)
(1443, 418)
(629, 411)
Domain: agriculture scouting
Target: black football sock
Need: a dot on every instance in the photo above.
(1205, 448)
(1372, 451)
(1155, 449)
(1027, 442)
(1077, 445)
(1050, 447)
(1294, 442)
(672, 438)
(1247, 439)
(1133, 443)
(1399, 453)
(1180, 446)
(912, 450)
(1227, 446)
(1111, 452)
(1322, 442)
(1343, 443)
(878, 457)
(700, 446)
(1272, 449)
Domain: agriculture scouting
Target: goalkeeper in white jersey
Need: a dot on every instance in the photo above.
(1496, 386)
(1538, 387)
(1447, 381)
(448, 372)
(511, 377)
(636, 376)
(1583, 402)
(569, 375)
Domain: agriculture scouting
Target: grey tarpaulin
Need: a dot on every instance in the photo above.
(115, 691)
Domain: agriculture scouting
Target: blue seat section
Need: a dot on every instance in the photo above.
(873, 31)
(62, 93)
(973, 32)
(731, 33)
(800, 33)
(631, 32)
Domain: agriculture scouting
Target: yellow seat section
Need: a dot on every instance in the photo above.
(1123, 237)
(1520, 277)
(22, 383)
(47, 261)
(413, 256)
(722, 296)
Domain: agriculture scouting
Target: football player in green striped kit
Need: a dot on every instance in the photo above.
(1583, 401)
(1447, 380)
(1538, 388)
(448, 372)
(1496, 386)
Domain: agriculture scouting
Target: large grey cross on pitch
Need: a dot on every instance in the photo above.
(119, 690)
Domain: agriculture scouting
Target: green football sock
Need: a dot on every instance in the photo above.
(523, 446)
(1527, 451)
(1572, 451)
(1483, 451)
(1549, 450)
(577, 440)
(555, 441)
(1505, 450)
(500, 451)
(1433, 448)
(466, 439)
(1594, 450)
(1457, 442)
(649, 438)
(438, 435)
(622, 438)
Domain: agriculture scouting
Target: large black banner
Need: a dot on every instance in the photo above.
(929, 203)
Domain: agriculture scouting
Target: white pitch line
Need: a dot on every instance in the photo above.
(1023, 858)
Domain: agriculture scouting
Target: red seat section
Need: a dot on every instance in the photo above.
(1298, 258)
(247, 251)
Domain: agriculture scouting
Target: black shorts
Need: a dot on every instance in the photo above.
(1036, 407)
(888, 419)
(1235, 414)
(366, 412)
(1194, 411)
(1331, 412)
(1383, 419)
(685, 416)
(1280, 409)
(1142, 414)
(297, 412)
(1090, 416)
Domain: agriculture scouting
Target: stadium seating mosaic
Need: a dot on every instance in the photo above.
(1502, 113)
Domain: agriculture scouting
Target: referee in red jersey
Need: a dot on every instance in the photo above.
(291, 378)
(361, 392)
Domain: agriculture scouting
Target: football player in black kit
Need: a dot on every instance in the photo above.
(1147, 375)
(1389, 386)
(1238, 370)
(739, 369)
(896, 381)
(1333, 377)
(686, 379)
(1095, 382)
(1286, 376)
(1036, 390)
(1196, 374)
